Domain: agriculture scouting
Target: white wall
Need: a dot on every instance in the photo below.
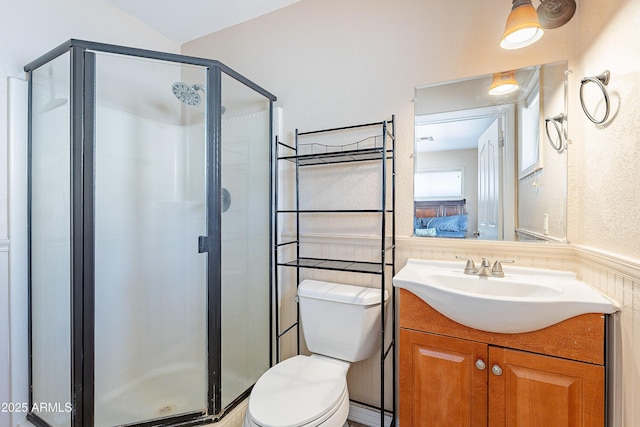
(28, 31)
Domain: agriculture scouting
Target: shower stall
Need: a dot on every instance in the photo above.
(150, 227)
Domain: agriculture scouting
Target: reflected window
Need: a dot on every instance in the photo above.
(438, 185)
(529, 132)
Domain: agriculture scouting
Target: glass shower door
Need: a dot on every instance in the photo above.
(246, 231)
(150, 208)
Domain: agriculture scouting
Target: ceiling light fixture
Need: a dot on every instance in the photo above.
(503, 83)
(523, 27)
(526, 25)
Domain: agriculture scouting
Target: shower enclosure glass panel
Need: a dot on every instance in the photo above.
(246, 230)
(50, 246)
(150, 208)
(150, 223)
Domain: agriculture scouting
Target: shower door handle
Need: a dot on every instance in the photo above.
(203, 244)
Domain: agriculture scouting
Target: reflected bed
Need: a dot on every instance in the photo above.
(441, 218)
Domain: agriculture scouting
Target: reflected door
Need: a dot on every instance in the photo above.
(489, 197)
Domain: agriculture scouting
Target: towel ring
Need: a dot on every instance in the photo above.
(601, 81)
(558, 123)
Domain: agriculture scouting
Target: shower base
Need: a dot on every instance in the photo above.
(166, 392)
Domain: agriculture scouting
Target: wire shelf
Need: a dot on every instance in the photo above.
(367, 149)
(336, 265)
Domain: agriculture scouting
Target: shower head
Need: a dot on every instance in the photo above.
(52, 104)
(187, 94)
(53, 101)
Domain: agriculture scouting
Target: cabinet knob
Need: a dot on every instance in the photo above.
(497, 370)
(480, 364)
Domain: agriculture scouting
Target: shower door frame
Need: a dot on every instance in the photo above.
(82, 227)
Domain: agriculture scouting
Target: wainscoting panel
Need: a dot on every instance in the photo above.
(619, 278)
(5, 396)
(613, 275)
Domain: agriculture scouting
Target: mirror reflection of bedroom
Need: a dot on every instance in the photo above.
(478, 159)
(459, 174)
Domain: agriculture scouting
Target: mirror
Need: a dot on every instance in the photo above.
(490, 167)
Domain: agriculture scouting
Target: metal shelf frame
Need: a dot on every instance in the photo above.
(385, 155)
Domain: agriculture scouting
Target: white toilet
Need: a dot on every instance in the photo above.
(341, 325)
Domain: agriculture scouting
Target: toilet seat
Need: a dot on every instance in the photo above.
(300, 391)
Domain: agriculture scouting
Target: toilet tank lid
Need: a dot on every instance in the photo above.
(339, 292)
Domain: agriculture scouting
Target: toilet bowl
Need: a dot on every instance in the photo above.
(340, 324)
(300, 391)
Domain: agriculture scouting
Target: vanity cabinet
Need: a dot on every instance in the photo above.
(452, 375)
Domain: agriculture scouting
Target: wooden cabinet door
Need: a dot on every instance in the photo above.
(535, 390)
(440, 385)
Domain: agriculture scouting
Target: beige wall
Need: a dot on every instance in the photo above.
(334, 63)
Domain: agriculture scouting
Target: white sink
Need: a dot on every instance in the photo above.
(524, 300)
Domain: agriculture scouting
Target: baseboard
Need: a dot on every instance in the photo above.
(357, 412)
(366, 415)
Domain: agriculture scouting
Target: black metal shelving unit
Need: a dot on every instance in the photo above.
(380, 149)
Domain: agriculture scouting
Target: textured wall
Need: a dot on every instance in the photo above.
(605, 159)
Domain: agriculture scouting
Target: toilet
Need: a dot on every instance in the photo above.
(341, 325)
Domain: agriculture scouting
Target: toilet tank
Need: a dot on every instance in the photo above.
(340, 321)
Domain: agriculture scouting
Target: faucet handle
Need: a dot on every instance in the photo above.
(470, 267)
(496, 270)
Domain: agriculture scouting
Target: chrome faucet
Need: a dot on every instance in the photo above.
(485, 269)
